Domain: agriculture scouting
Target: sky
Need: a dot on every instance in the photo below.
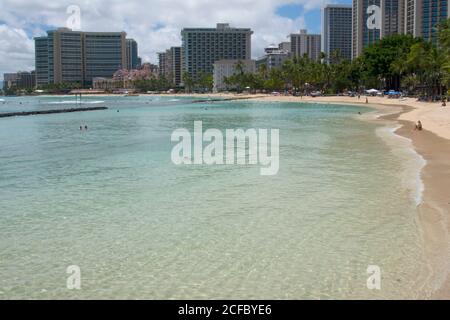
(154, 24)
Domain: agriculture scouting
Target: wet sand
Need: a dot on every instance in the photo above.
(433, 213)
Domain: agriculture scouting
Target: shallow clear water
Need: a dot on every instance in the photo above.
(110, 201)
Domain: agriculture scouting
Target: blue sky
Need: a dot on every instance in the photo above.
(312, 17)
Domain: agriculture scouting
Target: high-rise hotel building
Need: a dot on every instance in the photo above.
(202, 47)
(132, 54)
(421, 17)
(303, 43)
(170, 65)
(411, 17)
(433, 12)
(373, 20)
(337, 30)
(66, 56)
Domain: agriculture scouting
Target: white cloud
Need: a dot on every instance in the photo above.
(155, 24)
(16, 50)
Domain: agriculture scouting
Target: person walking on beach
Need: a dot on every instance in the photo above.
(419, 126)
(367, 100)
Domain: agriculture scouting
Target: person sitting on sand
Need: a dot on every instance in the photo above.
(418, 126)
(444, 103)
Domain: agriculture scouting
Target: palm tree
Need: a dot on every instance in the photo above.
(262, 70)
(444, 42)
(410, 82)
(239, 75)
(430, 62)
(188, 82)
(444, 34)
(296, 72)
(239, 67)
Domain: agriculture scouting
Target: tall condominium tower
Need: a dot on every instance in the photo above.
(410, 17)
(132, 54)
(337, 30)
(41, 60)
(390, 13)
(303, 43)
(420, 17)
(431, 13)
(170, 65)
(162, 63)
(372, 20)
(78, 57)
(202, 47)
(177, 65)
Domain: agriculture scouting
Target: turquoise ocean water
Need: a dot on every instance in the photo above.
(110, 201)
